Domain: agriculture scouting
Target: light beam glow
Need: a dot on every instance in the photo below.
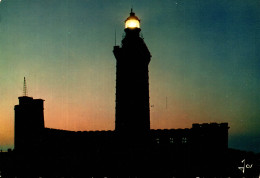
(132, 23)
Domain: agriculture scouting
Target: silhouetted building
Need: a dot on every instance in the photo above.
(132, 81)
(29, 122)
(133, 148)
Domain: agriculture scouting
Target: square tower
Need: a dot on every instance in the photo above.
(29, 122)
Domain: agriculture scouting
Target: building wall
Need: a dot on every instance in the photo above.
(172, 151)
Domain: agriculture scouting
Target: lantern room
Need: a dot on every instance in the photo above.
(132, 21)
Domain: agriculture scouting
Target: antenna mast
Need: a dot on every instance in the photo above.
(24, 87)
(115, 37)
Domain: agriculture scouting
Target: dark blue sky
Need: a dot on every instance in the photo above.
(205, 60)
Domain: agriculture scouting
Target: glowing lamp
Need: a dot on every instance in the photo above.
(132, 21)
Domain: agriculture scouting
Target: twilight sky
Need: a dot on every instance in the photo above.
(205, 60)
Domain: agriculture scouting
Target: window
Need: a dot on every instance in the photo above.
(184, 140)
(157, 140)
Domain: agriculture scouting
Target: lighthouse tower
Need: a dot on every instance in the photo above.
(132, 80)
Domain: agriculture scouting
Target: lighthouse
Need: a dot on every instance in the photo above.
(132, 80)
